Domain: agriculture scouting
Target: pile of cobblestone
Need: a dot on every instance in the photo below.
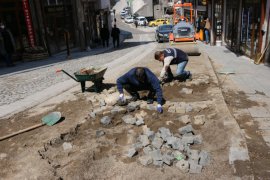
(164, 147)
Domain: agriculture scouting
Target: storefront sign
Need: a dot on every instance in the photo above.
(28, 20)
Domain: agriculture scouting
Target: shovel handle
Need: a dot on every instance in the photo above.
(21, 131)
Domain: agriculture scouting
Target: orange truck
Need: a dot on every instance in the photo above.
(183, 30)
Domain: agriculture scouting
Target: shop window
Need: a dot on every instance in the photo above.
(250, 21)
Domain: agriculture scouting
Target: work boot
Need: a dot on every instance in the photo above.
(134, 97)
(150, 101)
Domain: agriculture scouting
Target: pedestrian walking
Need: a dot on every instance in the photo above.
(7, 45)
(115, 35)
(136, 23)
(207, 28)
(105, 36)
(171, 56)
(140, 79)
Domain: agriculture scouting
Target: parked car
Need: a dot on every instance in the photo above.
(127, 9)
(162, 32)
(158, 22)
(123, 14)
(129, 19)
(141, 20)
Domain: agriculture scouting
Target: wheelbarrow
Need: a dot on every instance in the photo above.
(96, 77)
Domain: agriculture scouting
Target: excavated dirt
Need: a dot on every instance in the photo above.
(258, 150)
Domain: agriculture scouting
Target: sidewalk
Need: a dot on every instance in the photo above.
(61, 57)
(251, 109)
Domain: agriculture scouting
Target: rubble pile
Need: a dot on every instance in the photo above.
(165, 148)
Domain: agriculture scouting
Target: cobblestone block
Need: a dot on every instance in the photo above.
(197, 139)
(102, 103)
(178, 155)
(199, 120)
(131, 152)
(187, 139)
(137, 146)
(144, 140)
(145, 160)
(141, 114)
(193, 155)
(151, 107)
(180, 109)
(129, 119)
(118, 109)
(204, 158)
(167, 159)
(172, 109)
(183, 165)
(186, 91)
(156, 155)
(140, 121)
(164, 133)
(147, 150)
(189, 108)
(67, 146)
(92, 115)
(99, 133)
(158, 163)
(132, 106)
(185, 119)
(195, 168)
(106, 120)
(157, 142)
(185, 129)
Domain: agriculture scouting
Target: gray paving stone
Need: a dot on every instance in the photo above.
(158, 163)
(183, 165)
(197, 139)
(164, 133)
(193, 155)
(156, 155)
(144, 140)
(145, 160)
(132, 106)
(67, 146)
(100, 133)
(147, 150)
(259, 112)
(199, 120)
(195, 168)
(140, 121)
(106, 120)
(118, 109)
(129, 119)
(185, 129)
(167, 159)
(131, 152)
(204, 158)
(187, 139)
(157, 142)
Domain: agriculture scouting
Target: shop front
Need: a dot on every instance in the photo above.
(58, 24)
(11, 14)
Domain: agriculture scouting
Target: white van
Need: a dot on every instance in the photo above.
(141, 20)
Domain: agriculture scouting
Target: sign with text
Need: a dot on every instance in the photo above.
(28, 21)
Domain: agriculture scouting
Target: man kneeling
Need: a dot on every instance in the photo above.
(171, 56)
(139, 79)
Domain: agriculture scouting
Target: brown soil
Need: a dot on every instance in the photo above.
(258, 150)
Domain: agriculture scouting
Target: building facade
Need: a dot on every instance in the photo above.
(49, 23)
(242, 26)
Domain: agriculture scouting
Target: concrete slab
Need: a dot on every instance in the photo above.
(259, 112)
(263, 123)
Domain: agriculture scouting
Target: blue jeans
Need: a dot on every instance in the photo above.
(180, 71)
(206, 32)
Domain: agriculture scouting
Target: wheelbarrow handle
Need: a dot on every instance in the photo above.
(59, 70)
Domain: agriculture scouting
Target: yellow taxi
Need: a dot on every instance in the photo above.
(158, 22)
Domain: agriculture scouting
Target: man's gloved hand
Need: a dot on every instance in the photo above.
(159, 108)
(121, 98)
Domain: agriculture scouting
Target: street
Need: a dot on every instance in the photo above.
(219, 111)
